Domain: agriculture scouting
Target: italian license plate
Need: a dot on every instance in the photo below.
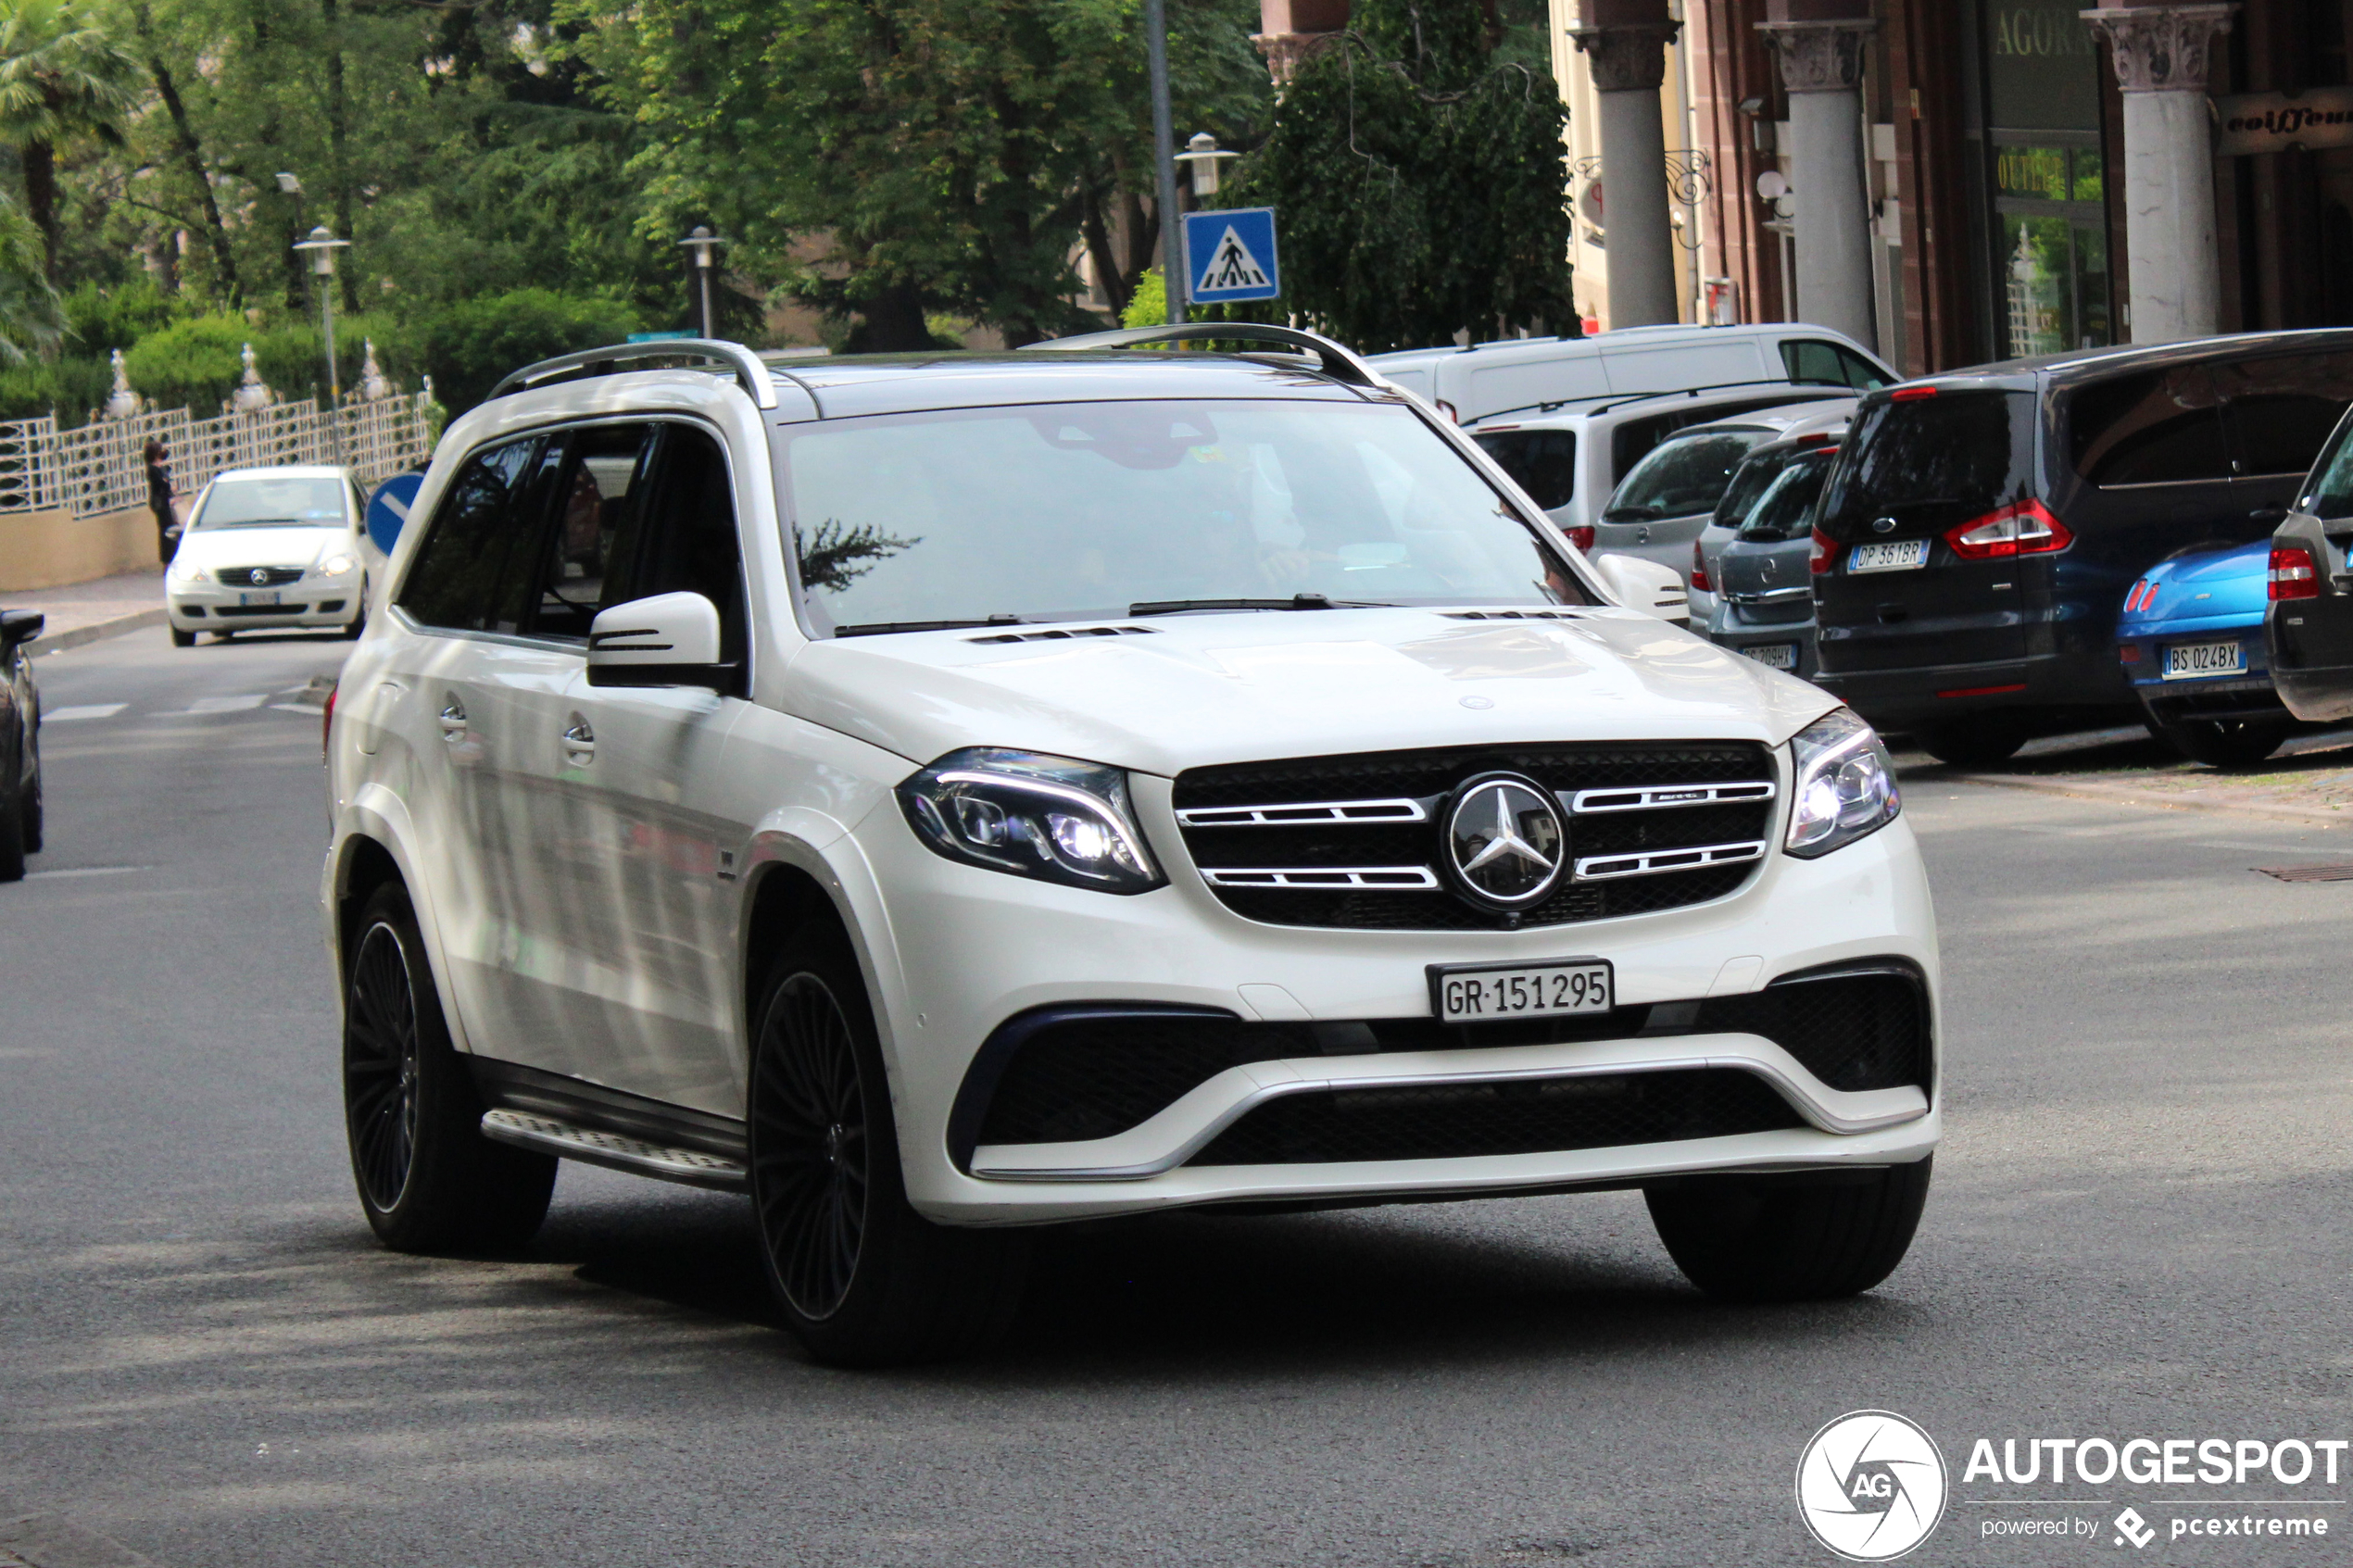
(1484, 993)
(1774, 655)
(2186, 660)
(258, 598)
(1904, 555)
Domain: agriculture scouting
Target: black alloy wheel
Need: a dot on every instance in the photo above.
(427, 1180)
(379, 1068)
(860, 1278)
(812, 1153)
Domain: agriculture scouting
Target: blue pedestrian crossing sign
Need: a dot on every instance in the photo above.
(1231, 256)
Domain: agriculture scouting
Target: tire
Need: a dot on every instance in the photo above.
(36, 813)
(358, 624)
(861, 1278)
(2226, 742)
(183, 639)
(427, 1180)
(12, 843)
(1985, 742)
(1791, 1238)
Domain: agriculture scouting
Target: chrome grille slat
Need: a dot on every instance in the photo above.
(1588, 802)
(1655, 862)
(1396, 879)
(1305, 813)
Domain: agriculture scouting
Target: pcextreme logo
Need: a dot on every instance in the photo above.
(1871, 1485)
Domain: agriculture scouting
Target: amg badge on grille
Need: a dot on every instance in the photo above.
(1503, 840)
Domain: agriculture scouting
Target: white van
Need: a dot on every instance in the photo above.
(1521, 375)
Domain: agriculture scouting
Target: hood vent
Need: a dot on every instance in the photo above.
(1064, 633)
(1513, 614)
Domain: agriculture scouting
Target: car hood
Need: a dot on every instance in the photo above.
(2200, 587)
(208, 548)
(1176, 691)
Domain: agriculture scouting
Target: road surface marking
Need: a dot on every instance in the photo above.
(87, 711)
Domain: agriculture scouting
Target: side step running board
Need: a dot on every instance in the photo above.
(688, 1166)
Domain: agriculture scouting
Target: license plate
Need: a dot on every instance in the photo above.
(1773, 656)
(1483, 993)
(1902, 555)
(2184, 661)
(258, 598)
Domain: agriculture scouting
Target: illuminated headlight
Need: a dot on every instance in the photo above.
(1845, 784)
(1032, 815)
(185, 572)
(335, 566)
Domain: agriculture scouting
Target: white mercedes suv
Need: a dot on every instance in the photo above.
(942, 796)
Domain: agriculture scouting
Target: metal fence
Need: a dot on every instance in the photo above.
(100, 468)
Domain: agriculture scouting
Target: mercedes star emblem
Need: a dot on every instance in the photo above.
(1503, 839)
(260, 575)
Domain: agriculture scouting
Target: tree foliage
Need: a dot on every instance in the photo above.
(1419, 172)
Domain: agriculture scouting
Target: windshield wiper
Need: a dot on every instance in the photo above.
(880, 628)
(1297, 601)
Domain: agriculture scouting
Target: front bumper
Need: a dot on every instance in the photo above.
(967, 949)
(314, 602)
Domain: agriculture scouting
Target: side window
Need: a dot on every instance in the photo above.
(1857, 372)
(470, 575)
(596, 488)
(2160, 427)
(2281, 409)
(2330, 495)
(685, 536)
(1808, 361)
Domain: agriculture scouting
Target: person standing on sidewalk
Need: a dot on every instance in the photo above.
(159, 500)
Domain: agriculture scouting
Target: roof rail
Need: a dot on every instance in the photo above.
(751, 373)
(1337, 362)
(1614, 399)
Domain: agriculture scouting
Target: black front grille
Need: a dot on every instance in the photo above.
(1431, 777)
(1085, 1076)
(1464, 1121)
(270, 576)
(260, 610)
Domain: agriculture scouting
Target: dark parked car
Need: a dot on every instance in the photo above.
(2308, 624)
(19, 743)
(1765, 595)
(1981, 529)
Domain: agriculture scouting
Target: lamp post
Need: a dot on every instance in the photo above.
(702, 242)
(1172, 224)
(323, 246)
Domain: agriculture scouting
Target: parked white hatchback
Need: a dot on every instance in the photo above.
(274, 549)
(942, 796)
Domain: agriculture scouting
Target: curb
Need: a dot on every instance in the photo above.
(2127, 794)
(138, 620)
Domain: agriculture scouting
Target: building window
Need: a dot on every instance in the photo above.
(2049, 229)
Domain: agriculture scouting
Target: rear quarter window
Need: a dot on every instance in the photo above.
(1543, 462)
(2281, 408)
(1930, 463)
(2160, 427)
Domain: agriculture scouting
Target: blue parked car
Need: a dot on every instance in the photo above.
(2191, 642)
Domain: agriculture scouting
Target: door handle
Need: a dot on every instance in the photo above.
(2267, 516)
(579, 742)
(453, 722)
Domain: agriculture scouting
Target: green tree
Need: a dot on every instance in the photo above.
(61, 73)
(1418, 171)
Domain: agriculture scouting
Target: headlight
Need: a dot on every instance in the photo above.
(1845, 784)
(191, 572)
(1032, 815)
(335, 566)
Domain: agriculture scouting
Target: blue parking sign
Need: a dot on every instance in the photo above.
(1231, 256)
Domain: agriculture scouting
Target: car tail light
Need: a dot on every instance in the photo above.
(1581, 535)
(2025, 528)
(2291, 575)
(1908, 393)
(1447, 410)
(1825, 552)
(1699, 571)
(2143, 595)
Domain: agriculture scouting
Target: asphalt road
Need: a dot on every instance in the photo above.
(2139, 1227)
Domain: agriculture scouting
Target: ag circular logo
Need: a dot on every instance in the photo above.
(1871, 1485)
(1503, 840)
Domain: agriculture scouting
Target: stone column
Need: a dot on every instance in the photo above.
(1822, 71)
(2169, 246)
(1626, 41)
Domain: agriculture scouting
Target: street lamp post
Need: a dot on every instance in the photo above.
(1172, 224)
(323, 246)
(701, 242)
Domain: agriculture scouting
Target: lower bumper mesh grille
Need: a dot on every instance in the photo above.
(1466, 1121)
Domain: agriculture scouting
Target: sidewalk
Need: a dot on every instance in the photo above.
(2309, 780)
(87, 611)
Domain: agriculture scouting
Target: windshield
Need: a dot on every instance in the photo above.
(1681, 477)
(1787, 509)
(285, 502)
(1067, 510)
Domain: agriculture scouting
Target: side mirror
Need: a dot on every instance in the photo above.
(18, 626)
(669, 640)
(1647, 586)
